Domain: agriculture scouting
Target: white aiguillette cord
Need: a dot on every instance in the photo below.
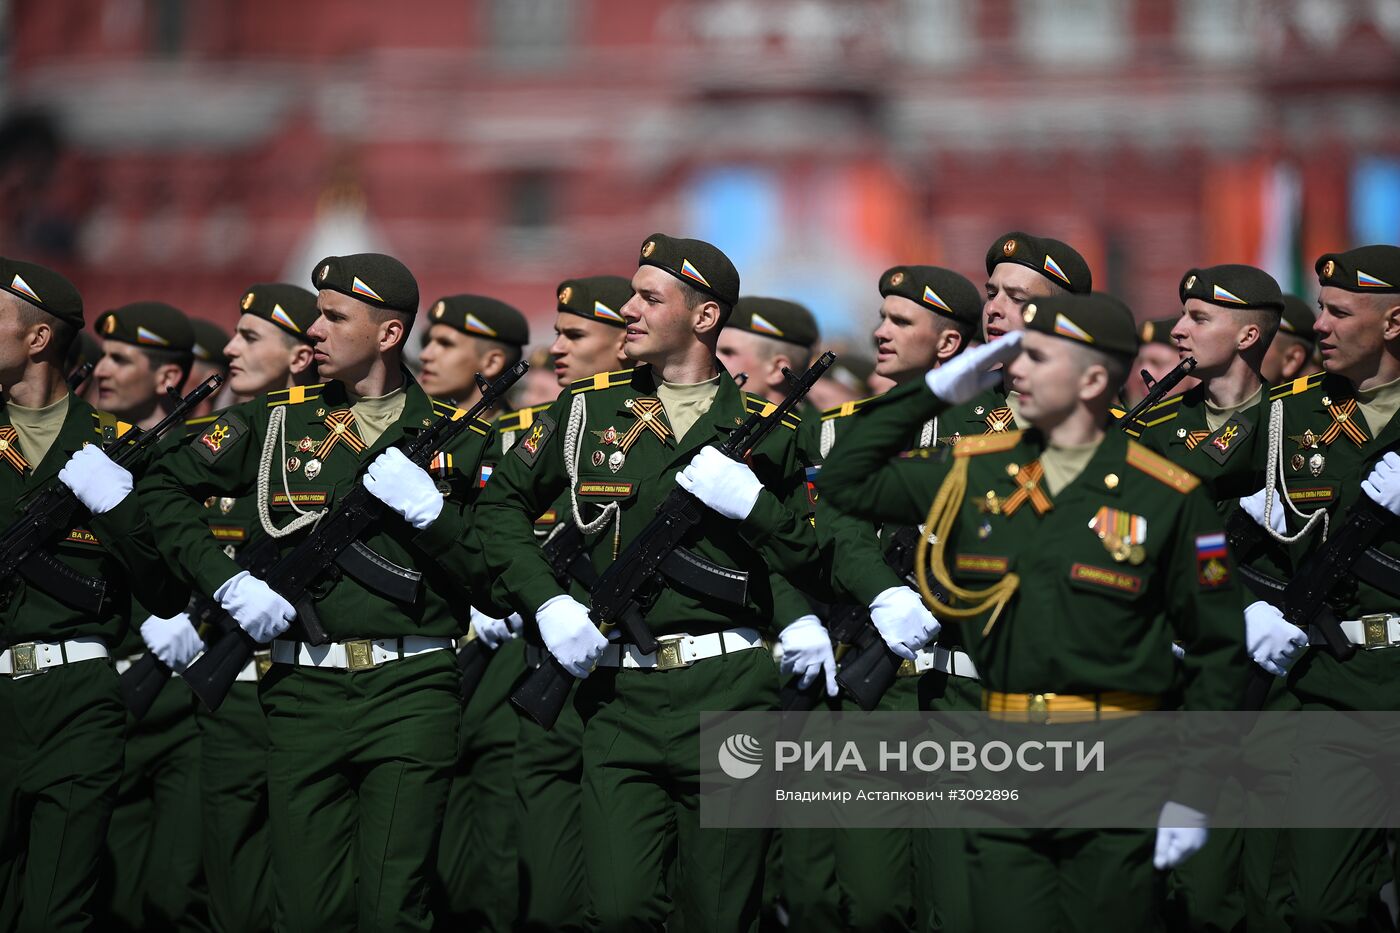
(273, 443)
(1274, 476)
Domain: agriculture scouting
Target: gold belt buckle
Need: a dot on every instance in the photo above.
(23, 660)
(359, 654)
(1038, 707)
(262, 663)
(668, 654)
(908, 667)
(1375, 630)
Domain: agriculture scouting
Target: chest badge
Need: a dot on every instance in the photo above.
(9, 449)
(615, 460)
(607, 436)
(598, 458)
(650, 415)
(1316, 463)
(999, 420)
(341, 430)
(1344, 421)
(313, 468)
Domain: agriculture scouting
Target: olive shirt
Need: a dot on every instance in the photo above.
(1330, 445)
(533, 477)
(321, 465)
(1083, 620)
(118, 547)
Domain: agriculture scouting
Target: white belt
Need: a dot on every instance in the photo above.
(937, 658)
(681, 650)
(1381, 630)
(253, 671)
(35, 657)
(124, 664)
(357, 654)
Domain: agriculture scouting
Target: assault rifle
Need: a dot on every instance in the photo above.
(1157, 389)
(56, 511)
(213, 674)
(78, 376)
(617, 599)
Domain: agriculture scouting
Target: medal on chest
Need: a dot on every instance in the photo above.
(650, 415)
(9, 449)
(1124, 535)
(341, 427)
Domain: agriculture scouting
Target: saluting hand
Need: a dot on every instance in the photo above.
(970, 373)
(99, 484)
(405, 487)
(727, 486)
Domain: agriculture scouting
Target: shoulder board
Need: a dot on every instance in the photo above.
(294, 396)
(974, 444)
(1160, 468)
(103, 420)
(757, 405)
(846, 409)
(1301, 384)
(1172, 404)
(1118, 412)
(521, 418)
(601, 381)
(477, 425)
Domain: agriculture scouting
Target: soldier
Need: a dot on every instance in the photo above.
(615, 443)
(153, 843)
(362, 730)
(209, 342)
(470, 334)
(762, 337)
(1293, 353)
(845, 382)
(59, 700)
(1229, 318)
(588, 329)
(476, 868)
(1035, 503)
(270, 351)
(1156, 354)
(1336, 438)
(147, 349)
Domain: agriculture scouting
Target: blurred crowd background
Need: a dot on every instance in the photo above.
(181, 150)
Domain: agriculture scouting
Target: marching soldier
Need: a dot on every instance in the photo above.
(1293, 353)
(269, 352)
(588, 334)
(59, 700)
(1336, 441)
(476, 863)
(1156, 354)
(154, 841)
(1066, 507)
(362, 730)
(209, 359)
(614, 444)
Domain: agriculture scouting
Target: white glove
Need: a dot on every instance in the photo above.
(173, 640)
(727, 486)
(405, 487)
(1383, 485)
(570, 634)
(969, 373)
(903, 620)
(1273, 642)
(256, 607)
(98, 483)
(806, 647)
(1181, 832)
(495, 632)
(1254, 507)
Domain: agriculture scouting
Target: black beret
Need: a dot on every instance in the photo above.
(1298, 319)
(696, 263)
(1158, 330)
(152, 324)
(596, 297)
(1364, 269)
(1099, 321)
(44, 289)
(209, 341)
(773, 317)
(1059, 262)
(290, 307)
(479, 316)
(1232, 286)
(940, 290)
(379, 281)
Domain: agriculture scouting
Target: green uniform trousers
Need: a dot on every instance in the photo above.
(154, 846)
(233, 785)
(942, 898)
(647, 859)
(476, 854)
(1032, 880)
(359, 766)
(59, 774)
(548, 801)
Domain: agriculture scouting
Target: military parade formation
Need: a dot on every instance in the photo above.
(363, 646)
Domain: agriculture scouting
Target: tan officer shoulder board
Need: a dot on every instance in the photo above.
(294, 396)
(597, 381)
(1297, 386)
(1160, 468)
(974, 444)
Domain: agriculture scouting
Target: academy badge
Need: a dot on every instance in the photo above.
(598, 458)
